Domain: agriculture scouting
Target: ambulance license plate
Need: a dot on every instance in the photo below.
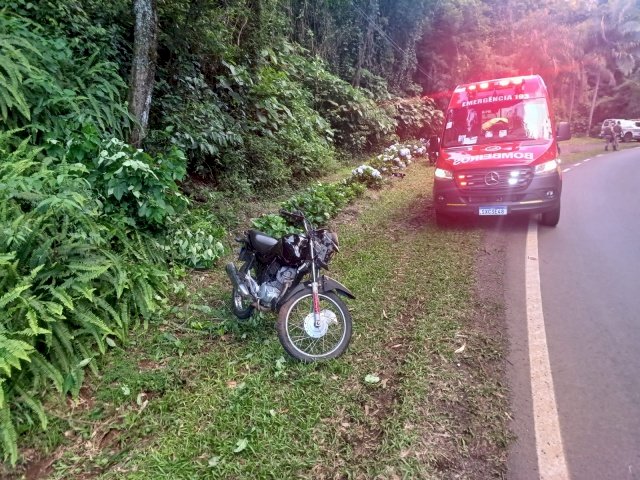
(492, 211)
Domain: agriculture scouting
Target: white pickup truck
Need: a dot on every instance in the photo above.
(630, 128)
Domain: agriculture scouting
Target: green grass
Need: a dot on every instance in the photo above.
(201, 396)
(580, 148)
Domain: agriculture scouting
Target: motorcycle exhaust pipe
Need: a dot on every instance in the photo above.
(232, 271)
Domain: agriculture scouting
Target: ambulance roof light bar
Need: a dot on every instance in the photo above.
(505, 82)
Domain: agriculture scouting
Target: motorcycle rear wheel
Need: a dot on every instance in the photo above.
(307, 343)
(240, 306)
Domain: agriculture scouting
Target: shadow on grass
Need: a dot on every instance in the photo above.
(423, 217)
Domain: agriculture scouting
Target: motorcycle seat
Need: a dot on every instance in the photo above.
(261, 242)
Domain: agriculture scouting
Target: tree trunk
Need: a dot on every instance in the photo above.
(593, 103)
(572, 96)
(365, 45)
(256, 35)
(143, 66)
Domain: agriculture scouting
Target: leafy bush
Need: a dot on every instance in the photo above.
(285, 106)
(319, 203)
(323, 201)
(196, 249)
(398, 156)
(194, 238)
(193, 118)
(417, 117)
(358, 122)
(285, 136)
(265, 165)
(273, 225)
(72, 283)
(86, 25)
(137, 186)
(255, 132)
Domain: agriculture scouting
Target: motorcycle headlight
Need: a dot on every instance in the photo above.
(547, 167)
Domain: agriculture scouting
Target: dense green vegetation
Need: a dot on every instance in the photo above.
(98, 202)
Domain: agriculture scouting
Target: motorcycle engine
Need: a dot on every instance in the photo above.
(272, 287)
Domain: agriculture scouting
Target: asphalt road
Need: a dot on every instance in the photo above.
(590, 285)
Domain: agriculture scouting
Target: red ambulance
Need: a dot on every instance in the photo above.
(498, 153)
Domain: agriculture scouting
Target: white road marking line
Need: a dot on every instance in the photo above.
(576, 164)
(586, 160)
(566, 170)
(551, 460)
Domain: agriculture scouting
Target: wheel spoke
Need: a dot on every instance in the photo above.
(298, 327)
(313, 344)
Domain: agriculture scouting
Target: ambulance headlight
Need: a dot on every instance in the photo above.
(444, 174)
(547, 167)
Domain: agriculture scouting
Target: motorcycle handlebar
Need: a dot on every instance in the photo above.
(298, 217)
(295, 215)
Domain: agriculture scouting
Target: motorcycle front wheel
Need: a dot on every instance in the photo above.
(302, 339)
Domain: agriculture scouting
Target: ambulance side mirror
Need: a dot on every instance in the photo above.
(563, 131)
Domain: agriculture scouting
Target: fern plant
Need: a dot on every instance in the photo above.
(71, 283)
(16, 45)
(51, 91)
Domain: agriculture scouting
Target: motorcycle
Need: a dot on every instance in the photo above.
(283, 276)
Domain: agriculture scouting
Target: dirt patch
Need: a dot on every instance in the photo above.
(38, 467)
(422, 212)
(351, 213)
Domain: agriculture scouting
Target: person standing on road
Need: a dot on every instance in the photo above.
(607, 132)
(617, 134)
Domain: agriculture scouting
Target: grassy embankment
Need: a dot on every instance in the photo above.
(579, 148)
(204, 397)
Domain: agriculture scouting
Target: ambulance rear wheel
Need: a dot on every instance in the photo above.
(627, 137)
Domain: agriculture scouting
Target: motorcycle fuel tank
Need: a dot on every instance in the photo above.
(294, 249)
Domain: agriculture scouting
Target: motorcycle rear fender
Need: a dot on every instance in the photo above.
(327, 284)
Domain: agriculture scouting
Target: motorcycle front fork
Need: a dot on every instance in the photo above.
(316, 297)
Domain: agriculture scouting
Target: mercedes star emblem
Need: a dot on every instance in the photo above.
(492, 178)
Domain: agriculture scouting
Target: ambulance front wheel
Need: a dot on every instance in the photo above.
(443, 219)
(550, 218)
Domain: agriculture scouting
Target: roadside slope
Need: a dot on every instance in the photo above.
(207, 398)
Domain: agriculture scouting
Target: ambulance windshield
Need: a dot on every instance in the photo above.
(497, 122)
